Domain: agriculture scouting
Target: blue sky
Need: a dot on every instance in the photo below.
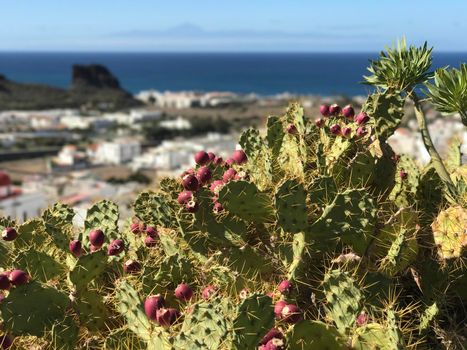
(229, 25)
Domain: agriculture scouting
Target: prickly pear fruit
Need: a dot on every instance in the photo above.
(4, 282)
(285, 287)
(204, 175)
(348, 112)
(362, 118)
(216, 186)
(208, 292)
(9, 234)
(272, 333)
(183, 292)
(152, 231)
(152, 304)
(275, 344)
(137, 227)
(278, 308)
(96, 237)
(361, 131)
(319, 122)
(361, 319)
(212, 156)
(18, 277)
(217, 208)
(346, 132)
(239, 157)
(166, 317)
(192, 206)
(335, 109)
(291, 314)
(76, 248)
(229, 175)
(6, 341)
(184, 197)
(131, 266)
(335, 129)
(115, 247)
(324, 110)
(150, 241)
(291, 129)
(190, 183)
(201, 158)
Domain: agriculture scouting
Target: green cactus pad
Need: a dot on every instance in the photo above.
(244, 200)
(246, 260)
(102, 215)
(64, 334)
(385, 111)
(314, 335)
(322, 190)
(385, 167)
(155, 209)
(372, 336)
(58, 222)
(39, 265)
(450, 232)
(350, 218)
(275, 136)
(87, 268)
(204, 328)
(291, 206)
(31, 233)
(404, 191)
(124, 339)
(255, 317)
(92, 310)
(343, 299)
(32, 308)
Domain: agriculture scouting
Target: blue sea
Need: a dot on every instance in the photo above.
(262, 73)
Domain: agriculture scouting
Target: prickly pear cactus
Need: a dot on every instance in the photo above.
(450, 232)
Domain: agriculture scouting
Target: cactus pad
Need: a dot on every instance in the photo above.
(102, 215)
(450, 232)
(87, 268)
(39, 265)
(156, 209)
(92, 310)
(314, 335)
(291, 206)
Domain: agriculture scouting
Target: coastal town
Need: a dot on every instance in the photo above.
(78, 156)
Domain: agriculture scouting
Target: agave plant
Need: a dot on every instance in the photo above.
(449, 91)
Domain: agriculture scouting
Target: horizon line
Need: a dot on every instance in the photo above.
(210, 52)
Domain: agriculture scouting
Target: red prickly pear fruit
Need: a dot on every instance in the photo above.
(239, 157)
(218, 161)
(403, 174)
(285, 287)
(217, 208)
(93, 248)
(291, 314)
(5, 283)
(204, 175)
(6, 341)
(212, 156)
(362, 118)
(131, 266)
(115, 247)
(361, 131)
(230, 162)
(278, 308)
(9, 234)
(324, 110)
(190, 171)
(346, 132)
(208, 292)
(152, 231)
(190, 183)
(152, 304)
(319, 122)
(135, 227)
(335, 129)
(76, 248)
(184, 197)
(229, 175)
(18, 277)
(183, 292)
(291, 129)
(361, 319)
(192, 207)
(96, 237)
(275, 344)
(272, 333)
(150, 241)
(335, 109)
(167, 317)
(348, 112)
(216, 186)
(201, 158)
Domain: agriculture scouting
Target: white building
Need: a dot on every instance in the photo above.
(170, 99)
(134, 117)
(16, 204)
(118, 151)
(179, 123)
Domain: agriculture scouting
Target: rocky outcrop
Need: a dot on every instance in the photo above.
(93, 87)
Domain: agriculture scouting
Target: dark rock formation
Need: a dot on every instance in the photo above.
(93, 75)
(93, 87)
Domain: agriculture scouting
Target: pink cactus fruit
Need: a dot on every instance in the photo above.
(190, 183)
(204, 175)
(96, 237)
(291, 129)
(346, 132)
(291, 314)
(361, 131)
(335, 109)
(183, 292)
(152, 231)
(18, 277)
(76, 248)
(208, 292)
(150, 241)
(335, 129)
(348, 112)
(362, 118)
(5, 283)
(239, 157)
(152, 304)
(229, 174)
(216, 186)
(201, 158)
(131, 266)
(272, 333)
(319, 122)
(278, 308)
(324, 110)
(184, 197)
(285, 287)
(9, 234)
(115, 247)
(167, 317)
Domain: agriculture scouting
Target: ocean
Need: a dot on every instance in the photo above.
(262, 73)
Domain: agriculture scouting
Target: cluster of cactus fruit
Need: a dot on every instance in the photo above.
(313, 235)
